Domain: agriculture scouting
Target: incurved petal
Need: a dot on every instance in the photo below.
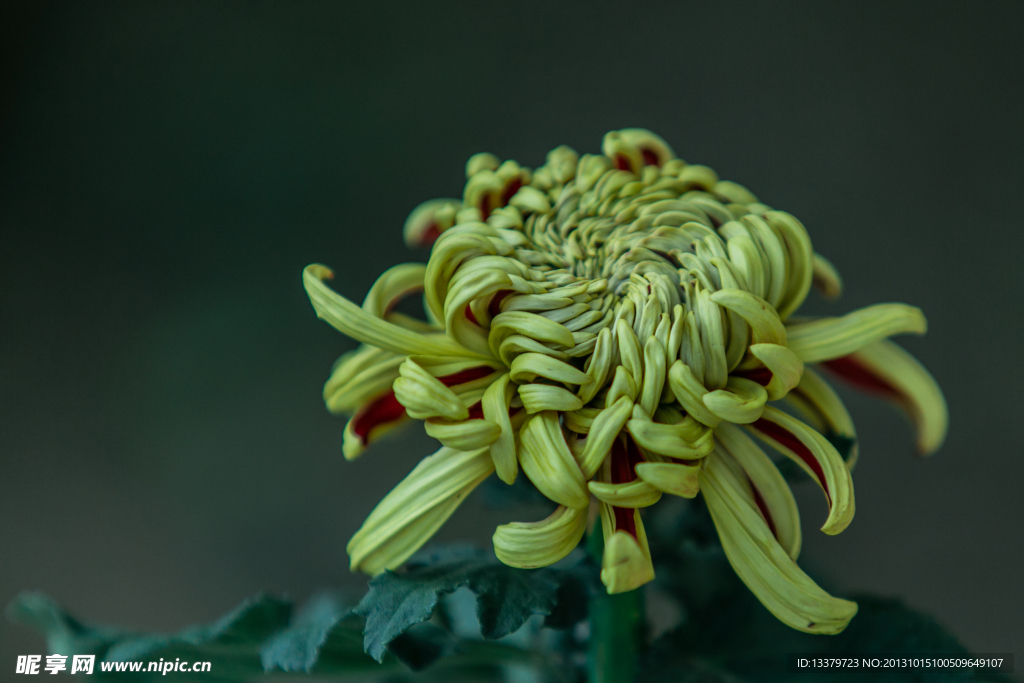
(581, 421)
(622, 386)
(528, 366)
(477, 285)
(829, 338)
(495, 405)
(630, 352)
(765, 325)
(528, 545)
(816, 456)
(716, 371)
(686, 440)
(540, 397)
(690, 393)
(457, 245)
(886, 369)
(529, 325)
(425, 396)
(547, 461)
(598, 365)
(360, 376)
(464, 435)
(762, 564)
(801, 260)
(354, 322)
(410, 514)
(770, 491)
(654, 375)
(634, 494)
(783, 365)
(428, 220)
(392, 286)
(652, 148)
(742, 401)
(678, 479)
(517, 344)
(626, 561)
(602, 432)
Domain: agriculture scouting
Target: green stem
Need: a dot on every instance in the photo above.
(616, 628)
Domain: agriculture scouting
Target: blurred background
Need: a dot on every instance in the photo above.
(167, 169)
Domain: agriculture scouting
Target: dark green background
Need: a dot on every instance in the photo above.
(167, 169)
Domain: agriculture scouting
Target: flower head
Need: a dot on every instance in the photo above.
(618, 327)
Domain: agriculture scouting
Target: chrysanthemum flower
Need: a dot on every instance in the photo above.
(618, 326)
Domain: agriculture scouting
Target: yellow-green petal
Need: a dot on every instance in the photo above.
(784, 365)
(677, 479)
(495, 405)
(603, 430)
(762, 564)
(672, 440)
(817, 401)
(464, 435)
(424, 396)
(769, 483)
(395, 283)
(547, 461)
(829, 338)
(812, 452)
(410, 514)
(690, 393)
(540, 397)
(529, 545)
(360, 376)
(634, 494)
(354, 322)
(765, 325)
(626, 562)
(742, 401)
(528, 366)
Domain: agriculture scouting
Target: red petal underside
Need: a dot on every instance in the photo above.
(493, 308)
(650, 157)
(430, 235)
(763, 507)
(762, 376)
(857, 374)
(467, 375)
(786, 438)
(625, 458)
(485, 205)
(510, 190)
(381, 411)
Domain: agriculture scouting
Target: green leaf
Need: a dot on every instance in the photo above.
(506, 597)
(325, 637)
(230, 644)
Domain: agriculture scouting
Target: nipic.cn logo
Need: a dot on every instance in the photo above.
(84, 664)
